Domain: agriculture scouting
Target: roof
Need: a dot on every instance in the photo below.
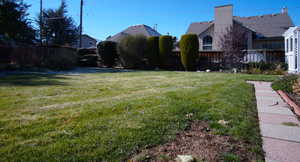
(273, 25)
(199, 27)
(85, 35)
(291, 31)
(135, 30)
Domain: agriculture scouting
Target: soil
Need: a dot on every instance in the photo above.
(296, 98)
(200, 142)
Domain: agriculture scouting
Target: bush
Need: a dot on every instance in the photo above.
(189, 47)
(108, 52)
(153, 51)
(285, 83)
(131, 50)
(165, 49)
(266, 68)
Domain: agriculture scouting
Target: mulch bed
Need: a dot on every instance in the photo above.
(200, 142)
(296, 98)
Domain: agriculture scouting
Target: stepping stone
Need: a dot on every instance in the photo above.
(281, 151)
(278, 119)
(288, 133)
(275, 110)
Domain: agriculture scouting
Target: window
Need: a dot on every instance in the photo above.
(207, 43)
(287, 45)
(291, 41)
(296, 57)
(296, 66)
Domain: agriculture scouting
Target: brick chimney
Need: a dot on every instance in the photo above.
(284, 10)
(223, 20)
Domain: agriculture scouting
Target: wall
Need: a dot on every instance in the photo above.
(223, 20)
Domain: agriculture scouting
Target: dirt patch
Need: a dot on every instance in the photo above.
(200, 142)
(296, 98)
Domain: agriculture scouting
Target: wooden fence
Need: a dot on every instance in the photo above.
(213, 59)
(39, 56)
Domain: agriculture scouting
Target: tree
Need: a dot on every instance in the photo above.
(234, 44)
(14, 22)
(153, 51)
(189, 48)
(58, 28)
(165, 49)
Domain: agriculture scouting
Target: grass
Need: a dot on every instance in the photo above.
(107, 117)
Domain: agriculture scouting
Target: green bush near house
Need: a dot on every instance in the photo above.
(108, 52)
(131, 50)
(189, 47)
(285, 83)
(153, 51)
(165, 49)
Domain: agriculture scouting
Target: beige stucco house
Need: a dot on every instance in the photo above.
(263, 32)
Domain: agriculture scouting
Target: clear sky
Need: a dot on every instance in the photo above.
(103, 18)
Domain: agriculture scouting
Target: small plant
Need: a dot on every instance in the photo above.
(108, 52)
(285, 83)
(291, 124)
(165, 49)
(229, 157)
(153, 51)
(189, 47)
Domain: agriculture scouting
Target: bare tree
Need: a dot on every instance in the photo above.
(234, 44)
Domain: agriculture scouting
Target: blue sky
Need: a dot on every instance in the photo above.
(108, 17)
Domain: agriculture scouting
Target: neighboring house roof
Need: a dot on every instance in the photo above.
(199, 27)
(291, 31)
(273, 25)
(135, 30)
(85, 35)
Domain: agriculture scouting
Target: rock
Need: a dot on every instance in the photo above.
(223, 122)
(185, 158)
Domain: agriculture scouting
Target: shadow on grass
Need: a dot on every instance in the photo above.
(32, 80)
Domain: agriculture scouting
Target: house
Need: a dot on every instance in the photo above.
(87, 42)
(292, 37)
(263, 32)
(135, 30)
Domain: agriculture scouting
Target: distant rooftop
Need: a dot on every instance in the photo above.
(135, 30)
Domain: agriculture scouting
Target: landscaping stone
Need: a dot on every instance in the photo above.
(185, 158)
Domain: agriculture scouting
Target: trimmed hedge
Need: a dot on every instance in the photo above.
(165, 49)
(189, 47)
(131, 50)
(108, 52)
(285, 83)
(153, 51)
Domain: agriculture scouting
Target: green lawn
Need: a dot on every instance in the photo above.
(109, 116)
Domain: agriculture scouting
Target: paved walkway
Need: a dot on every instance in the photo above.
(281, 138)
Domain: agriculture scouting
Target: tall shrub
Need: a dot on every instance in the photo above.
(189, 47)
(108, 52)
(165, 49)
(153, 51)
(131, 50)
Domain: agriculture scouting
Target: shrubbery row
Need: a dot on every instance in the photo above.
(140, 52)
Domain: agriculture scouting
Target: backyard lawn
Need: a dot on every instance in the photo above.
(110, 116)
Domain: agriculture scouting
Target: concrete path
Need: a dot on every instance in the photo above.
(279, 126)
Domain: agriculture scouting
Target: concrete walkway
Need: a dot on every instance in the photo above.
(281, 138)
